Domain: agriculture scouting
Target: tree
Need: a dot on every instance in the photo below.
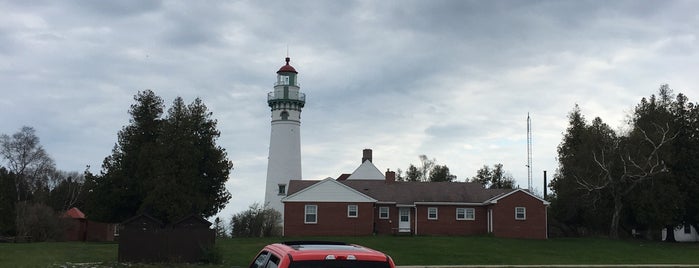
(8, 199)
(256, 221)
(483, 176)
(441, 173)
(426, 166)
(118, 192)
(68, 192)
(501, 179)
(596, 162)
(169, 167)
(38, 221)
(571, 206)
(495, 178)
(424, 171)
(28, 160)
(412, 173)
(220, 228)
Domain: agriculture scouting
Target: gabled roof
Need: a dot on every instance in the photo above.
(74, 213)
(327, 190)
(367, 171)
(192, 221)
(409, 193)
(495, 199)
(416, 192)
(142, 220)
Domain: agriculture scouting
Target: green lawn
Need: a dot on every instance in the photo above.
(405, 250)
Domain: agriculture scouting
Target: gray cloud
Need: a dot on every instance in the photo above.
(450, 79)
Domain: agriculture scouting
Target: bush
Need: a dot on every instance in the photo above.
(212, 255)
(257, 221)
(38, 222)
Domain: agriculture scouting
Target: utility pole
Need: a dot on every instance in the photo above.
(529, 152)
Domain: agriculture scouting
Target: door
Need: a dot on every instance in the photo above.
(404, 220)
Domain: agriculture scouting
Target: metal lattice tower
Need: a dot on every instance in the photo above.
(529, 152)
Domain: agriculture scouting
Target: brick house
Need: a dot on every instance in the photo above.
(370, 202)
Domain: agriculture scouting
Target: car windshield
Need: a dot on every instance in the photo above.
(339, 264)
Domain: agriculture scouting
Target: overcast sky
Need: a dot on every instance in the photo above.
(450, 79)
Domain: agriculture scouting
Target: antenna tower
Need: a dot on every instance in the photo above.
(529, 152)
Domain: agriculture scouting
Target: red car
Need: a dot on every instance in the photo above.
(320, 254)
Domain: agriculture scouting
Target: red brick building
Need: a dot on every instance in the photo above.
(368, 202)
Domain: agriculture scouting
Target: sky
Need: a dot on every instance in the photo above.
(453, 80)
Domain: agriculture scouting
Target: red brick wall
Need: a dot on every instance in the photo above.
(332, 219)
(386, 226)
(505, 225)
(446, 223)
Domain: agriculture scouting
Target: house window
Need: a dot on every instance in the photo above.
(687, 229)
(520, 213)
(282, 189)
(383, 212)
(431, 213)
(352, 211)
(404, 215)
(311, 214)
(465, 214)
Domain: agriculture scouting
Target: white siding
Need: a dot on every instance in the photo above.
(681, 236)
(328, 190)
(367, 171)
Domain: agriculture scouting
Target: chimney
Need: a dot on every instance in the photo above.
(366, 155)
(390, 176)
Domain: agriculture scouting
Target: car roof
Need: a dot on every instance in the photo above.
(321, 250)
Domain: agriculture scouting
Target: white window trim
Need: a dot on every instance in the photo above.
(388, 212)
(524, 212)
(356, 211)
(306, 213)
(466, 218)
(436, 213)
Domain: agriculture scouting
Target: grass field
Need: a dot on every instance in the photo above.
(404, 250)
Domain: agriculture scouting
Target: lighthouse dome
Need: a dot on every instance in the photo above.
(287, 68)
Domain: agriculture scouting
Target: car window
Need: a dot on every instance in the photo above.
(260, 260)
(273, 261)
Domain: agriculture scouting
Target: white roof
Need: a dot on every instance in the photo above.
(367, 171)
(328, 190)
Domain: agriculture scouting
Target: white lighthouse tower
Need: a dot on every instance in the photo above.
(284, 162)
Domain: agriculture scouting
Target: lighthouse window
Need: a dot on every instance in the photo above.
(285, 115)
(282, 189)
(283, 80)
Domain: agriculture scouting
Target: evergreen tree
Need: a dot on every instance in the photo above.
(412, 173)
(495, 178)
(169, 167)
(441, 173)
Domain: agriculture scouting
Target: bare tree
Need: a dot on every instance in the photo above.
(66, 189)
(426, 166)
(623, 164)
(28, 160)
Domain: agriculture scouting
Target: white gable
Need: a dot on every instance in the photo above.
(367, 171)
(495, 199)
(328, 190)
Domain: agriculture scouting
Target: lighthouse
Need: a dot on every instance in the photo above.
(284, 161)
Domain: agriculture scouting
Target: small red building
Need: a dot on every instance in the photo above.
(369, 202)
(79, 228)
